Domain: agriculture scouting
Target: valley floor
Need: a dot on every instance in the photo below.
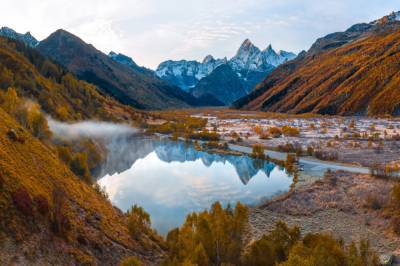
(349, 206)
(362, 141)
(348, 202)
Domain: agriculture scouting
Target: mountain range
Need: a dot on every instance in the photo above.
(355, 72)
(115, 75)
(248, 67)
(175, 84)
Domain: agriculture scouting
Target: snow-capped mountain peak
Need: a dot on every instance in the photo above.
(396, 15)
(26, 38)
(392, 17)
(269, 48)
(208, 59)
(247, 49)
(248, 59)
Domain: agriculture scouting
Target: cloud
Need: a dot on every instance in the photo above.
(89, 129)
(155, 30)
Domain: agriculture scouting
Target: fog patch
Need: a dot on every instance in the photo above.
(89, 129)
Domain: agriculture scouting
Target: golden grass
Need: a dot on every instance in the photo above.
(36, 167)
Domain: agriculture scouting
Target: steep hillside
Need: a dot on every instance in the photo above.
(48, 216)
(58, 92)
(120, 81)
(223, 84)
(355, 72)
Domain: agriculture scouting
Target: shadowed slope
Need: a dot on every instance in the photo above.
(123, 83)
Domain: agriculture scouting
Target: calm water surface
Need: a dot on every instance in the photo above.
(171, 179)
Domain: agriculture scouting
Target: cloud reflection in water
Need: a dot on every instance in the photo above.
(174, 179)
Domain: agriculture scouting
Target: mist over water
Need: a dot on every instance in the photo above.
(90, 129)
(171, 179)
(123, 143)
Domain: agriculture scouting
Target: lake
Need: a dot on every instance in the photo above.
(171, 179)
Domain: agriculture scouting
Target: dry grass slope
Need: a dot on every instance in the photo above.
(98, 232)
(358, 78)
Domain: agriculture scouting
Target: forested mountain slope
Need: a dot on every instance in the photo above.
(59, 92)
(356, 72)
(113, 78)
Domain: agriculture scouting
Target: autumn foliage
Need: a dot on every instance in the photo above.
(360, 77)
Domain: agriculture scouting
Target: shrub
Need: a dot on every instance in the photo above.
(289, 147)
(37, 122)
(10, 101)
(205, 135)
(373, 202)
(23, 201)
(14, 136)
(1, 182)
(80, 167)
(138, 221)
(130, 261)
(384, 171)
(275, 132)
(211, 237)
(60, 221)
(290, 131)
(396, 195)
(310, 150)
(258, 130)
(42, 204)
(273, 248)
(326, 155)
(264, 135)
(291, 159)
(396, 224)
(258, 151)
(65, 154)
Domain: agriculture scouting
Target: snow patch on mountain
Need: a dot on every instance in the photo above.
(27, 38)
(249, 58)
(186, 74)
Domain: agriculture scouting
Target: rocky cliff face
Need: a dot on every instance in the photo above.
(223, 83)
(186, 74)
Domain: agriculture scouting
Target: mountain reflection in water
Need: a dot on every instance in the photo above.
(171, 179)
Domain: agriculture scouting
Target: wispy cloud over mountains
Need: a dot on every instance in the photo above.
(152, 31)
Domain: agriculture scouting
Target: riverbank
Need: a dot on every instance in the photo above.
(315, 165)
(347, 205)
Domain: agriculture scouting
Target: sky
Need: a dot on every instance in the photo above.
(152, 31)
